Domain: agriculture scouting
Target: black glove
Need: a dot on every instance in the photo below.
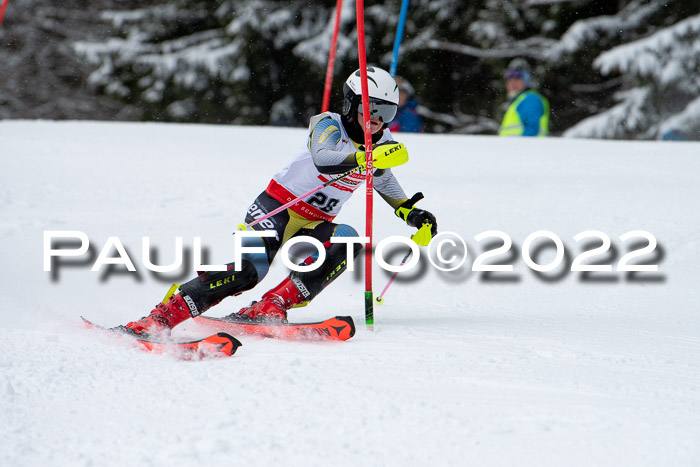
(416, 217)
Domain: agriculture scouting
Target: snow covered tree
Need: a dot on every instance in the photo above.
(663, 86)
(264, 61)
(561, 41)
(212, 60)
(40, 75)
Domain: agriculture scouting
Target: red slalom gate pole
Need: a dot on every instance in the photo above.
(331, 59)
(2, 10)
(369, 302)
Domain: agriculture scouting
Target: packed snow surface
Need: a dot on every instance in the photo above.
(463, 367)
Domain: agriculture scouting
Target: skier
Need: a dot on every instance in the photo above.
(335, 145)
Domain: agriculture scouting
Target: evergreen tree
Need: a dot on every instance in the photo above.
(210, 60)
(40, 75)
(662, 86)
(264, 61)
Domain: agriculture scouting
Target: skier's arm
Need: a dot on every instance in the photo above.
(388, 188)
(323, 145)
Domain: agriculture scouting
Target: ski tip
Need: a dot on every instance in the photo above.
(88, 324)
(343, 333)
(224, 344)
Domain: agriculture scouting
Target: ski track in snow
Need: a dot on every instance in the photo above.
(460, 371)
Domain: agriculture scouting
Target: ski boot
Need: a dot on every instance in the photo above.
(274, 303)
(162, 318)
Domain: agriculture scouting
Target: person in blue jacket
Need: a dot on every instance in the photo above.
(407, 119)
(528, 112)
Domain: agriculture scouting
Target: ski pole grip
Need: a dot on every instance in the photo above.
(406, 207)
(415, 198)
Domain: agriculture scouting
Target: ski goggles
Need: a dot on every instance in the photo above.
(378, 108)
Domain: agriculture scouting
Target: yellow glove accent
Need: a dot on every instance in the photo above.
(385, 156)
(402, 212)
(424, 235)
(408, 206)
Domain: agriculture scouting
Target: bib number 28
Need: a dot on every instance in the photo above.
(323, 202)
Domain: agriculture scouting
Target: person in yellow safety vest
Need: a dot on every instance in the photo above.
(528, 112)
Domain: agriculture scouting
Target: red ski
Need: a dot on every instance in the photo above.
(216, 345)
(339, 328)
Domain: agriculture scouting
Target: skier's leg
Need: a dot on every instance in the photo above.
(335, 264)
(209, 288)
(195, 297)
(300, 288)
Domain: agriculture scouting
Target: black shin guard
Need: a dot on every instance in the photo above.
(311, 283)
(211, 287)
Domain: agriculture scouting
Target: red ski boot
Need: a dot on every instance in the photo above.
(274, 303)
(162, 318)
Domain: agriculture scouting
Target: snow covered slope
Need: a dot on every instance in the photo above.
(465, 367)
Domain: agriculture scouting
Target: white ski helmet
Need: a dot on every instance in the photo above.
(383, 94)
